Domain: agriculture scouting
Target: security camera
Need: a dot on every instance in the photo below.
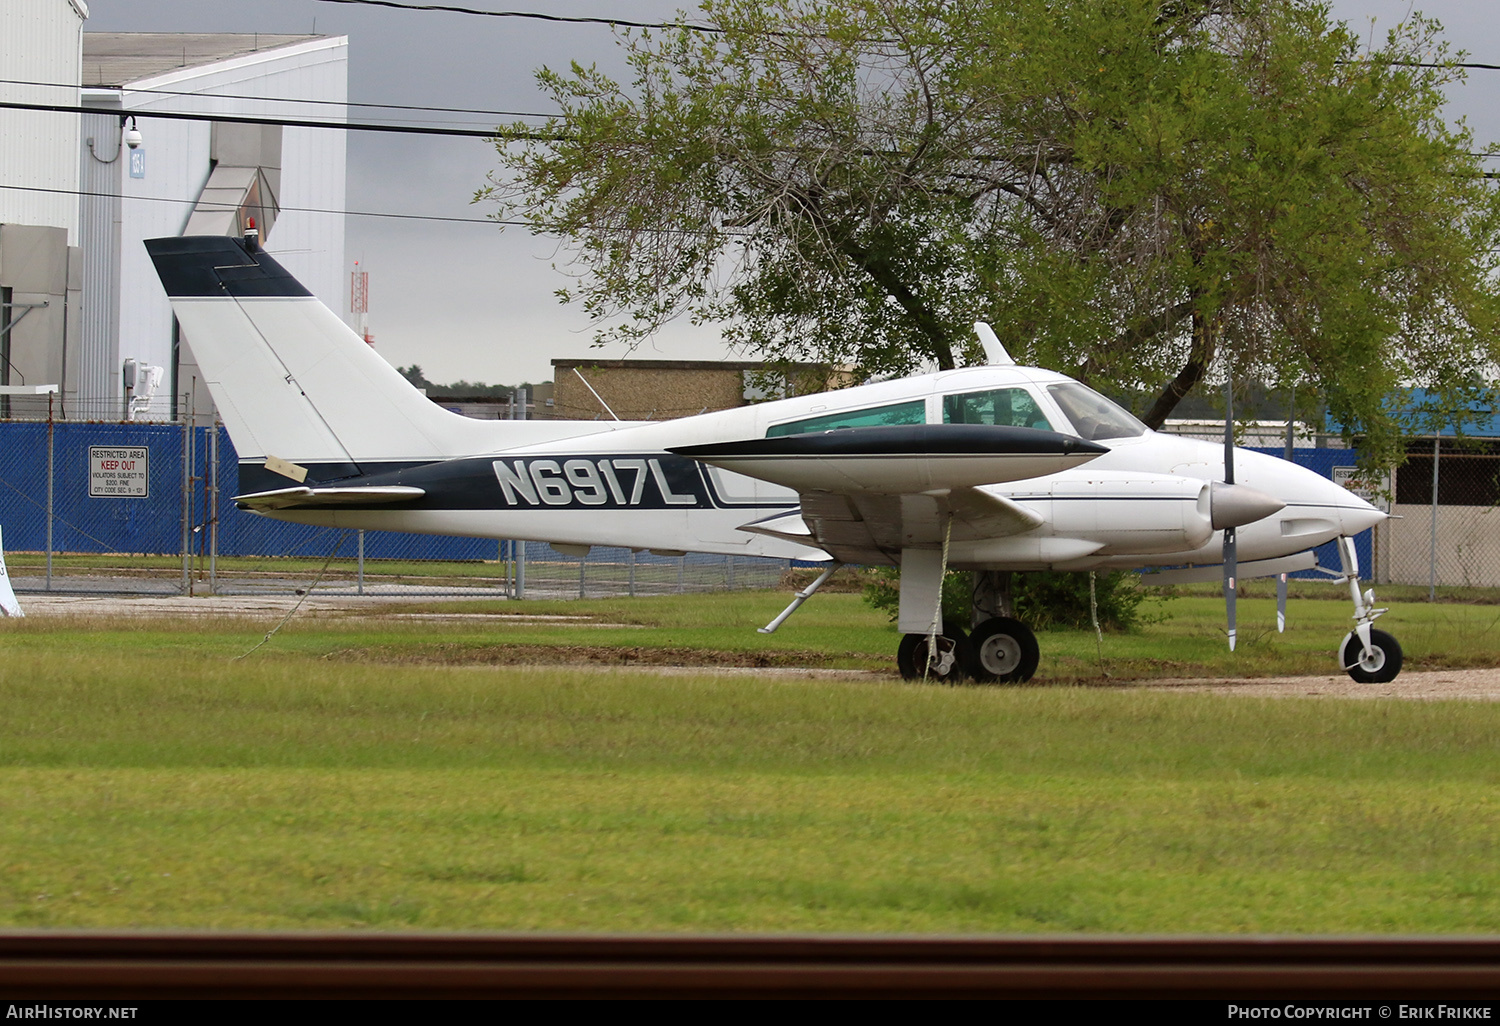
(133, 137)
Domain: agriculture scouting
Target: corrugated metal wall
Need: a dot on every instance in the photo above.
(99, 226)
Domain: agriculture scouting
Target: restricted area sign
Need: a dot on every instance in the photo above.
(119, 472)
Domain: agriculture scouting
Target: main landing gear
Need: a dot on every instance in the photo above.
(1001, 650)
(944, 657)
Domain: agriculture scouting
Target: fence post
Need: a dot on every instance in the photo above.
(519, 548)
(583, 562)
(681, 566)
(187, 498)
(360, 575)
(51, 469)
(213, 507)
(1432, 541)
(729, 572)
(632, 573)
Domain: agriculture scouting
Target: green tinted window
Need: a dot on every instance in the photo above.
(1008, 407)
(881, 416)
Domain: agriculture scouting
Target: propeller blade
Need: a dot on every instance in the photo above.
(1229, 433)
(1230, 562)
(1281, 603)
(1230, 583)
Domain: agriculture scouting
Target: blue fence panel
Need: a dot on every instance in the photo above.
(23, 486)
(136, 523)
(82, 522)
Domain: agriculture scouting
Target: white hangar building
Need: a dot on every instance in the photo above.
(200, 178)
(79, 199)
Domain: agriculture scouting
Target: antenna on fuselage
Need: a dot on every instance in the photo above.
(994, 353)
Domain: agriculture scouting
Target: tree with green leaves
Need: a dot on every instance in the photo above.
(1139, 193)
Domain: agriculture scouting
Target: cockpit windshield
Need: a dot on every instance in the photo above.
(1094, 417)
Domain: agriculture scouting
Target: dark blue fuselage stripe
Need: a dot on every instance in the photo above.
(653, 481)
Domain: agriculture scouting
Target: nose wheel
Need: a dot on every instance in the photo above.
(1376, 664)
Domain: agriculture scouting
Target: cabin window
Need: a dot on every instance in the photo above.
(1007, 407)
(1094, 417)
(914, 412)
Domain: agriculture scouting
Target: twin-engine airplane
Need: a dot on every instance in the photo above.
(1001, 467)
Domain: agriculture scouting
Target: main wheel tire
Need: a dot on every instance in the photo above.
(1005, 651)
(953, 656)
(1382, 665)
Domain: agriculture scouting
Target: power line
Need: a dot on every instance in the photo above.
(220, 208)
(223, 208)
(353, 126)
(1430, 64)
(346, 126)
(285, 99)
(529, 15)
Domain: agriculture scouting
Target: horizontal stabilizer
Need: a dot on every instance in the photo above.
(1215, 572)
(355, 495)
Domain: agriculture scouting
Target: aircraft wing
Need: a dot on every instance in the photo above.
(304, 496)
(868, 493)
(908, 458)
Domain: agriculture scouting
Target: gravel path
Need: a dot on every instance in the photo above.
(1477, 685)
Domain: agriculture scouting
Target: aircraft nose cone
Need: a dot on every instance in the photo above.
(1238, 505)
(1357, 515)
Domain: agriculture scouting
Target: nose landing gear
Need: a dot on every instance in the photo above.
(1368, 655)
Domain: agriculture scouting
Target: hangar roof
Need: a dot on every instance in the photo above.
(112, 59)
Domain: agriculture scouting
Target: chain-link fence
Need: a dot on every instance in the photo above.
(1448, 531)
(147, 508)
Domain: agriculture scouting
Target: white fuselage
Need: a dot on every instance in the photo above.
(1140, 504)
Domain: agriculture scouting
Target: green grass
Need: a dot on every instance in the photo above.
(382, 773)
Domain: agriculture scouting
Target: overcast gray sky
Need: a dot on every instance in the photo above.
(468, 301)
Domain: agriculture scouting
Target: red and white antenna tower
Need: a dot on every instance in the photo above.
(359, 302)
